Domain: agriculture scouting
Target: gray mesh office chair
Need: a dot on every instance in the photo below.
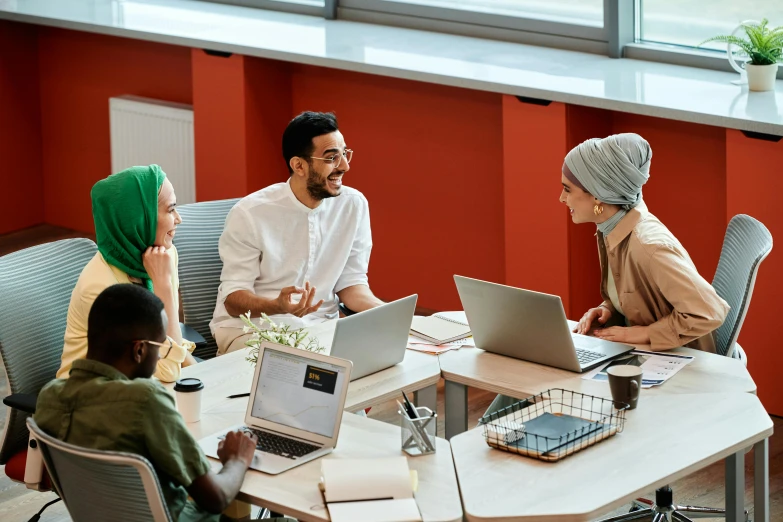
(101, 485)
(35, 291)
(200, 265)
(746, 244)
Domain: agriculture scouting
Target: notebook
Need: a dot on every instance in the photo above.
(439, 329)
(549, 436)
(369, 490)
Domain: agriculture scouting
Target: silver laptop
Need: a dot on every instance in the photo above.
(295, 407)
(530, 326)
(375, 339)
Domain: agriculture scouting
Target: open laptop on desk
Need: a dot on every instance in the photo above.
(295, 407)
(375, 339)
(530, 326)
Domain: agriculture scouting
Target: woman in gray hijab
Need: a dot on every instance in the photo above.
(652, 293)
(651, 290)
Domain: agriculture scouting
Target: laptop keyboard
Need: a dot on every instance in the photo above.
(283, 446)
(586, 356)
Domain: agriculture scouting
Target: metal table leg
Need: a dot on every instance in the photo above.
(456, 409)
(761, 481)
(735, 487)
(427, 397)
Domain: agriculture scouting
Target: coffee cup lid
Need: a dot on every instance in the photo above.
(188, 384)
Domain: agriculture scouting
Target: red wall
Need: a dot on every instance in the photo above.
(459, 181)
(20, 128)
(754, 185)
(79, 72)
(429, 160)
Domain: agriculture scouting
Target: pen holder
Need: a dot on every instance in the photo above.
(418, 435)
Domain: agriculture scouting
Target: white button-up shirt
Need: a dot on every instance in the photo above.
(272, 240)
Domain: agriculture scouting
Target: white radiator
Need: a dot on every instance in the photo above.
(146, 131)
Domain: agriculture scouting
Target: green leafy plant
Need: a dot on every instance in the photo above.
(764, 46)
(276, 333)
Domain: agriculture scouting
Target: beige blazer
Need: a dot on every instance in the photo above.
(658, 284)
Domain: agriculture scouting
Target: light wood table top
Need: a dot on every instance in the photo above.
(652, 451)
(231, 374)
(500, 374)
(295, 492)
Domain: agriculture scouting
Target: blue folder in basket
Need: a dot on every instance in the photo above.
(548, 432)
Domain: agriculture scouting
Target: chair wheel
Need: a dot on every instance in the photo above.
(634, 507)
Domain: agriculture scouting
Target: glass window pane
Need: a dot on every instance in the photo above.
(690, 22)
(583, 12)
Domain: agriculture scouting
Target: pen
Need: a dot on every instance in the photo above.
(412, 413)
(238, 395)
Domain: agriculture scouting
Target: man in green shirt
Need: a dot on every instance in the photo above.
(110, 403)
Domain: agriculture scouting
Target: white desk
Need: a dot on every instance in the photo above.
(497, 373)
(667, 437)
(231, 374)
(295, 492)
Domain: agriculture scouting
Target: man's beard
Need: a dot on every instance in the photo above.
(316, 187)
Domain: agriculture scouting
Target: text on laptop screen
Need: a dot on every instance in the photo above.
(298, 392)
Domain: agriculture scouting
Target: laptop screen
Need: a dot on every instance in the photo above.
(298, 392)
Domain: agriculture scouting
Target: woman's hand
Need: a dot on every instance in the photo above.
(157, 263)
(599, 313)
(625, 334)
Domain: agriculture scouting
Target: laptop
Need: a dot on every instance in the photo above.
(295, 407)
(530, 326)
(375, 339)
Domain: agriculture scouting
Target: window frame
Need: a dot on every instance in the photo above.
(618, 37)
(304, 7)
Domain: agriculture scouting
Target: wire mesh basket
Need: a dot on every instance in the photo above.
(553, 424)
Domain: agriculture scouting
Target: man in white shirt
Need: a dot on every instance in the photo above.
(295, 250)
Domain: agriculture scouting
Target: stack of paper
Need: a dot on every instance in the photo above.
(369, 490)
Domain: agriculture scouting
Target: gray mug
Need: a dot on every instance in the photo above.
(625, 381)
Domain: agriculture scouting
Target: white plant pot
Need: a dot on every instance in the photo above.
(761, 77)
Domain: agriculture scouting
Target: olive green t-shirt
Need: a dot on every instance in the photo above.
(98, 407)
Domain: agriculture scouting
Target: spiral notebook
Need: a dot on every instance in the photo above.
(441, 328)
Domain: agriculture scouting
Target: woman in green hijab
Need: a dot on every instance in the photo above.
(135, 221)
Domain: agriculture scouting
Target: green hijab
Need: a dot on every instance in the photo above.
(125, 210)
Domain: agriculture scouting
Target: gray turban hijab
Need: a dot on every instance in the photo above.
(613, 170)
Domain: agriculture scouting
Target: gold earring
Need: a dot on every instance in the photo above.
(598, 209)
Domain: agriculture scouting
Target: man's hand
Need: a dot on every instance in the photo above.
(625, 334)
(238, 445)
(599, 313)
(157, 263)
(305, 305)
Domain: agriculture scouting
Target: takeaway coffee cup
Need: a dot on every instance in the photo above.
(625, 382)
(189, 398)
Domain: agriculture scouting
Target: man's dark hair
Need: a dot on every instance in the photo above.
(298, 136)
(122, 314)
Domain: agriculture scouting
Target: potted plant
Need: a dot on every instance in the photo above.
(763, 47)
(279, 334)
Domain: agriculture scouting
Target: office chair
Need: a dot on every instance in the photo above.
(101, 485)
(36, 285)
(200, 265)
(746, 244)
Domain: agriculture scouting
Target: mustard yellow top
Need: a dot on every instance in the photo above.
(94, 279)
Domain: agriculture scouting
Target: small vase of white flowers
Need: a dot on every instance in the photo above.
(276, 333)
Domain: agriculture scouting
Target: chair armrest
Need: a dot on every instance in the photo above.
(192, 335)
(22, 401)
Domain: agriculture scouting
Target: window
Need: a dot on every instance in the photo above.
(308, 7)
(572, 24)
(690, 22)
(582, 12)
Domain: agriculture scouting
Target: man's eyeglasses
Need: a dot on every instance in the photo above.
(168, 343)
(335, 159)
